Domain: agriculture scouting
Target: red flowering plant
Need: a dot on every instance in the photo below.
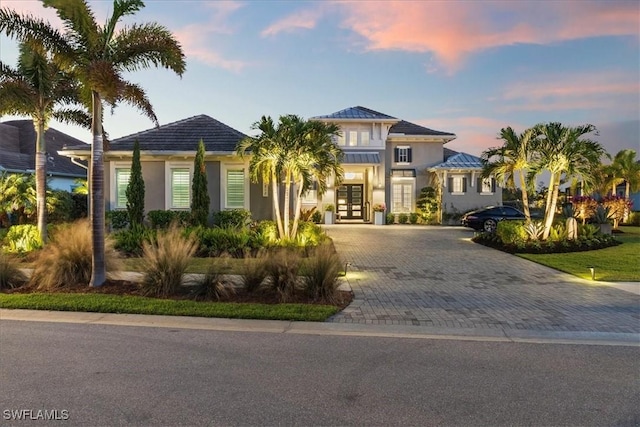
(584, 206)
(379, 207)
(618, 206)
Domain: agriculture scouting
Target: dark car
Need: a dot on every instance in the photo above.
(486, 219)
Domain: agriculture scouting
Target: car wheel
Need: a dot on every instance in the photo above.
(489, 225)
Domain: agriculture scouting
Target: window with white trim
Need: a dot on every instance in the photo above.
(353, 138)
(364, 138)
(402, 197)
(487, 186)
(457, 185)
(341, 139)
(402, 154)
(121, 178)
(235, 189)
(180, 194)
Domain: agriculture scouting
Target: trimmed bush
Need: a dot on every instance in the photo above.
(236, 218)
(390, 218)
(511, 232)
(200, 194)
(316, 217)
(118, 220)
(165, 261)
(309, 234)
(323, 270)
(130, 241)
(414, 217)
(60, 206)
(135, 190)
(22, 239)
(163, 219)
(10, 275)
(66, 260)
(217, 241)
(538, 246)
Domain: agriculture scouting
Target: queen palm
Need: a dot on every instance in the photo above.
(565, 154)
(625, 168)
(39, 89)
(511, 160)
(98, 56)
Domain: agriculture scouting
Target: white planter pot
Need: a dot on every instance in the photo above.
(378, 218)
(329, 217)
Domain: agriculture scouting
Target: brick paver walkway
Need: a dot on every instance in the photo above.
(435, 276)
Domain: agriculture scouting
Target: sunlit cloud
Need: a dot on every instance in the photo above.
(305, 19)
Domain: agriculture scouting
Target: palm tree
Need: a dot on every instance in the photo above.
(625, 168)
(292, 153)
(38, 88)
(513, 158)
(565, 154)
(98, 56)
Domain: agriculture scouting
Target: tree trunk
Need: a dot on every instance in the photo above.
(549, 195)
(41, 178)
(296, 217)
(98, 268)
(276, 203)
(525, 198)
(287, 201)
(555, 182)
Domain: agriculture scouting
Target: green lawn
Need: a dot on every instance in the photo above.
(615, 264)
(105, 303)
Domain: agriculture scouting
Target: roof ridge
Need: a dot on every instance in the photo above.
(143, 132)
(369, 110)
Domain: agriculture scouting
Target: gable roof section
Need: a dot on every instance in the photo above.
(460, 161)
(356, 113)
(408, 128)
(17, 149)
(183, 135)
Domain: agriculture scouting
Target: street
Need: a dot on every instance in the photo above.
(125, 375)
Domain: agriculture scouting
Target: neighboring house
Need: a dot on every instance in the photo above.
(167, 156)
(18, 149)
(388, 160)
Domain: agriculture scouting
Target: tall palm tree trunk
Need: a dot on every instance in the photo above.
(552, 207)
(41, 178)
(276, 203)
(296, 216)
(98, 270)
(552, 179)
(287, 202)
(525, 197)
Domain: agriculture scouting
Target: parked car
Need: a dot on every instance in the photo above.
(486, 219)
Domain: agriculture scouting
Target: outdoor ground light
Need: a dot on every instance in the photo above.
(346, 267)
(593, 273)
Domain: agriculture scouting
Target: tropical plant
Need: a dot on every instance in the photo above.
(617, 207)
(40, 89)
(135, 190)
(165, 260)
(294, 153)
(234, 218)
(10, 274)
(534, 230)
(98, 56)
(513, 159)
(511, 232)
(17, 197)
(625, 168)
(23, 239)
(565, 154)
(200, 200)
(584, 207)
(66, 260)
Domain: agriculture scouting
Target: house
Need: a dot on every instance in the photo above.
(17, 154)
(388, 160)
(167, 156)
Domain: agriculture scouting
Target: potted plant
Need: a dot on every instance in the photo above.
(601, 217)
(329, 213)
(378, 214)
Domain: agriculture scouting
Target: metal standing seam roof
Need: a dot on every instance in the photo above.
(356, 113)
(361, 158)
(460, 161)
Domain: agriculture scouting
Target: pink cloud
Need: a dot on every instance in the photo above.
(303, 19)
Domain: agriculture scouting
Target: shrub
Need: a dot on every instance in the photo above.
(309, 234)
(200, 194)
(118, 220)
(323, 270)
(390, 218)
(414, 217)
(633, 219)
(403, 218)
(59, 206)
(80, 207)
(587, 231)
(316, 217)
(254, 271)
(66, 260)
(130, 241)
(22, 239)
(211, 287)
(428, 203)
(617, 206)
(558, 233)
(283, 267)
(135, 189)
(164, 219)
(511, 232)
(584, 207)
(534, 230)
(235, 218)
(10, 275)
(217, 241)
(265, 233)
(165, 261)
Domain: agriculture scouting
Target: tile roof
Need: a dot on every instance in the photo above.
(361, 158)
(17, 149)
(356, 113)
(408, 128)
(183, 135)
(460, 161)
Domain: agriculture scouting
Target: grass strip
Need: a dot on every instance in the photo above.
(615, 264)
(105, 303)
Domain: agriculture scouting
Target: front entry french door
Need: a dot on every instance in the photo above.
(350, 201)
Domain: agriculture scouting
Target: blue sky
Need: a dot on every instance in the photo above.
(467, 67)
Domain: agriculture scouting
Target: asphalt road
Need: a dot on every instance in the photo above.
(99, 375)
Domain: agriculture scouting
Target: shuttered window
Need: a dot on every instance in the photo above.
(457, 185)
(486, 185)
(122, 181)
(180, 188)
(402, 155)
(235, 189)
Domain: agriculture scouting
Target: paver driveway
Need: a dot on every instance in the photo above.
(435, 276)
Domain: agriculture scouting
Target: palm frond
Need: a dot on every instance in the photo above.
(78, 19)
(135, 96)
(27, 27)
(73, 116)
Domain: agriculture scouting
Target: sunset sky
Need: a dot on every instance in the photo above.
(467, 67)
